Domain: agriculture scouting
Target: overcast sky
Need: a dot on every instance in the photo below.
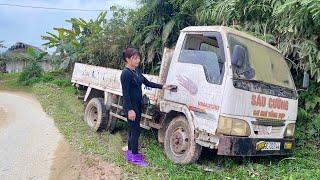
(27, 25)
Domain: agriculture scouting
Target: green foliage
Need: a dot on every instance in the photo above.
(291, 25)
(157, 25)
(8, 57)
(2, 65)
(61, 82)
(31, 73)
(47, 77)
(29, 55)
(97, 42)
(308, 123)
(36, 55)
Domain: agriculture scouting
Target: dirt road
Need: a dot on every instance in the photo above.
(32, 148)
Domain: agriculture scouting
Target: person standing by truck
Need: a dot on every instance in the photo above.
(131, 81)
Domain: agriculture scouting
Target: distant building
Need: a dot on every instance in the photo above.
(19, 51)
(20, 47)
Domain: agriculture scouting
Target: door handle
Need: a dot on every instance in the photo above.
(174, 88)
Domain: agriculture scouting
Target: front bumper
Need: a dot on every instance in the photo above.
(244, 146)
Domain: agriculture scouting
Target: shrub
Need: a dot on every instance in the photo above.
(62, 82)
(47, 77)
(31, 73)
(308, 121)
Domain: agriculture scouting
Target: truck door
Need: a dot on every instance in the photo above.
(198, 71)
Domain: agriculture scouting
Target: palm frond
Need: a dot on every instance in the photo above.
(167, 30)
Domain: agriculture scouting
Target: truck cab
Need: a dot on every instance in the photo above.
(238, 89)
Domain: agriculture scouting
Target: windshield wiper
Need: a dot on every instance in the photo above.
(262, 82)
(251, 80)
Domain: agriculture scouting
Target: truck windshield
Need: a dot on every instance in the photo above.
(269, 65)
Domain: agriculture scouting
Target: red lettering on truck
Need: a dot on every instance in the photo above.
(273, 103)
(260, 101)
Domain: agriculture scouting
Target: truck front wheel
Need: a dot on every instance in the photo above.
(179, 143)
(95, 114)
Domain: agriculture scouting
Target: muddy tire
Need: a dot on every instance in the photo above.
(179, 143)
(111, 125)
(95, 114)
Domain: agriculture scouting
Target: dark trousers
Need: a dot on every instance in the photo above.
(133, 135)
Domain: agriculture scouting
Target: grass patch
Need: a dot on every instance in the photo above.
(59, 100)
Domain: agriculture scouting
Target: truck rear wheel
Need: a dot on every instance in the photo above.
(96, 114)
(179, 143)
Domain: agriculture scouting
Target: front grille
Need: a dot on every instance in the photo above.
(269, 122)
(268, 130)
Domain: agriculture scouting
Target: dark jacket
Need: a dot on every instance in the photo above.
(131, 81)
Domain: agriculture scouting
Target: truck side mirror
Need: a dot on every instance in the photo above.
(238, 55)
(306, 80)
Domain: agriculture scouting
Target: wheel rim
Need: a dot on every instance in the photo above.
(92, 116)
(179, 141)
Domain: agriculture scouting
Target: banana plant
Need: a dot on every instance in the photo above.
(36, 55)
(63, 35)
(69, 43)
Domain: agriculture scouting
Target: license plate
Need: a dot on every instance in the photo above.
(271, 146)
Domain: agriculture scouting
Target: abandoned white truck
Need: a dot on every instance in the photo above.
(234, 93)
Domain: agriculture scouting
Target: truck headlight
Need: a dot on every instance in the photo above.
(233, 127)
(289, 130)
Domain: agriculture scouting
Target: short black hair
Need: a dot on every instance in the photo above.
(129, 52)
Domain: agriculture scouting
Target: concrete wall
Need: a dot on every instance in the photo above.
(46, 66)
(17, 66)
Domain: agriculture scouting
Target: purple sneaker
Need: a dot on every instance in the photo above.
(128, 155)
(138, 160)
